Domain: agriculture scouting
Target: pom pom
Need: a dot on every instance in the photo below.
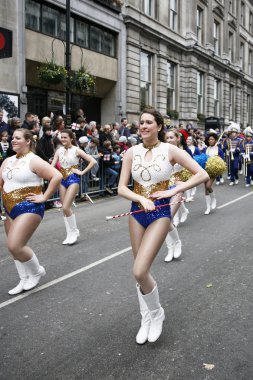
(215, 166)
(184, 175)
(201, 159)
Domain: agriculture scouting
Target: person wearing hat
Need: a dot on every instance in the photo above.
(123, 143)
(247, 154)
(211, 150)
(232, 148)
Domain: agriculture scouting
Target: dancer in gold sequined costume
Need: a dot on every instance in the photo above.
(150, 165)
(68, 157)
(21, 184)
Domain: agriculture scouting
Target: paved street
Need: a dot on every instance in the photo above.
(82, 320)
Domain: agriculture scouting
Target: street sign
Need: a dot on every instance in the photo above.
(5, 43)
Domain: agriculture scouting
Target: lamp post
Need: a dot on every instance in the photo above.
(68, 60)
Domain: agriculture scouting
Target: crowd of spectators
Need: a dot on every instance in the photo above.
(106, 143)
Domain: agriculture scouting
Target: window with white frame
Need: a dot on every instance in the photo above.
(231, 46)
(248, 109)
(242, 13)
(171, 86)
(149, 7)
(200, 92)
(82, 33)
(231, 102)
(146, 80)
(250, 62)
(51, 20)
(32, 15)
(173, 14)
(232, 6)
(217, 92)
(242, 56)
(199, 22)
(216, 37)
(251, 22)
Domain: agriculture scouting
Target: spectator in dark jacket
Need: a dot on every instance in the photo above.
(79, 128)
(124, 130)
(14, 124)
(45, 146)
(28, 120)
(105, 135)
(109, 162)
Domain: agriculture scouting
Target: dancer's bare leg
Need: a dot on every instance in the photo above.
(67, 197)
(19, 231)
(174, 207)
(208, 186)
(146, 244)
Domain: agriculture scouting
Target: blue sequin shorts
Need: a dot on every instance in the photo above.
(72, 178)
(146, 218)
(26, 207)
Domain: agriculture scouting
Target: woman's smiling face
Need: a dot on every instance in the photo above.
(148, 127)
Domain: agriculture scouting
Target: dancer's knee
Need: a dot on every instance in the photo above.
(13, 247)
(66, 210)
(139, 273)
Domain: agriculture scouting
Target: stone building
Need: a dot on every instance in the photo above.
(97, 37)
(189, 58)
(194, 57)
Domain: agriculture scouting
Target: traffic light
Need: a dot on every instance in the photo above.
(5, 43)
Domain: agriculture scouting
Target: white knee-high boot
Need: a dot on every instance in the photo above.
(142, 335)
(189, 198)
(213, 200)
(184, 213)
(34, 271)
(23, 278)
(73, 230)
(176, 219)
(174, 245)
(170, 245)
(156, 313)
(193, 191)
(65, 242)
(208, 204)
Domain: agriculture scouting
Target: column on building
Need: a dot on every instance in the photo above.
(226, 84)
(238, 97)
(210, 90)
(162, 79)
(187, 72)
(188, 90)
(133, 73)
(244, 120)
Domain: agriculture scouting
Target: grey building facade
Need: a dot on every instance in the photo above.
(191, 59)
(98, 42)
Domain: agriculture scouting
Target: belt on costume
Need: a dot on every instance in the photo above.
(178, 176)
(14, 197)
(66, 172)
(146, 191)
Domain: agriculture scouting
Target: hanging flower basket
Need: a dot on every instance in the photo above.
(83, 81)
(50, 72)
(118, 3)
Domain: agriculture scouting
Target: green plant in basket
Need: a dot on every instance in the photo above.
(83, 80)
(50, 72)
